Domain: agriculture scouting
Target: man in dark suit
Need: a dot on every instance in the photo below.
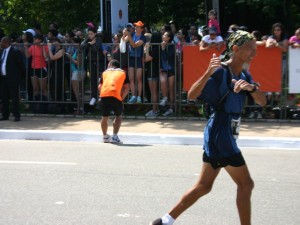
(11, 68)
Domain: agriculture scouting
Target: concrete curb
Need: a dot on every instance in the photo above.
(144, 138)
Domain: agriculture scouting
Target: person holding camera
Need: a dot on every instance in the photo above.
(136, 42)
(212, 40)
(113, 88)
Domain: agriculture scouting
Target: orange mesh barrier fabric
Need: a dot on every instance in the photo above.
(265, 68)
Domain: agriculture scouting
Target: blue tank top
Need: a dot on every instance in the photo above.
(137, 52)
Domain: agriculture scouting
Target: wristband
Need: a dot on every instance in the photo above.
(255, 88)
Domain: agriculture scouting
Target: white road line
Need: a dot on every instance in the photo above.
(269, 148)
(37, 163)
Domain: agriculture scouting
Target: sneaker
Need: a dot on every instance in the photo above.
(156, 222)
(106, 138)
(252, 115)
(132, 100)
(115, 139)
(151, 113)
(163, 102)
(259, 115)
(139, 99)
(93, 101)
(168, 112)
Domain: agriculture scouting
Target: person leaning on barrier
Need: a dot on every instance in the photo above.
(220, 146)
(195, 39)
(167, 73)
(78, 75)
(27, 37)
(69, 49)
(116, 53)
(294, 41)
(57, 71)
(152, 70)
(211, 41)
(39, 52)
(93, 50)
(279, 39)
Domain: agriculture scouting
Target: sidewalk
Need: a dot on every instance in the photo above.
(275, 129)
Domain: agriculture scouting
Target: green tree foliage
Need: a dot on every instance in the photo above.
(17, 15)
(255, 14)
(158, 12)
(261, 14)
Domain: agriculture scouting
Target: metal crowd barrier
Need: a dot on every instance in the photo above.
(61, 97)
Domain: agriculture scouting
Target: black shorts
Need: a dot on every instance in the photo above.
(40, 73)
(170, 73)
(236, 160)
(136, 62)
(109, 104)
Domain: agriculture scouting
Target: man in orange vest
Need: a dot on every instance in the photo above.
(113, 88)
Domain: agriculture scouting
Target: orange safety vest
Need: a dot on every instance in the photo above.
(112, 83)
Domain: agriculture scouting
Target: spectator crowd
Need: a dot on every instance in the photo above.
(64, 67)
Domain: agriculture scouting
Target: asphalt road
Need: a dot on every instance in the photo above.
(91, 183)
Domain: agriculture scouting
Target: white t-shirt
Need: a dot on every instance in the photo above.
(207, 39)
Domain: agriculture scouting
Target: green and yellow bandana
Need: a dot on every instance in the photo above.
(238, 38)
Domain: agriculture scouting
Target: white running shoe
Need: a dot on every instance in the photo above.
(259, 115)
(93, 101)
(115, 140)
(132, 100)
(151, 113)
(252, 115)
(138, 100)
(106, 138)
(163, 102)
(169, 112)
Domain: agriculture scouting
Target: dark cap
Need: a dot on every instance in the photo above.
(213, 30)
(129, 25)
(38, 36)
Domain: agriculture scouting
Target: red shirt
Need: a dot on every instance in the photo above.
(216, 24)
(38, 60)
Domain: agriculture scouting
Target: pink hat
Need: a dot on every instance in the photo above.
(90, 24)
